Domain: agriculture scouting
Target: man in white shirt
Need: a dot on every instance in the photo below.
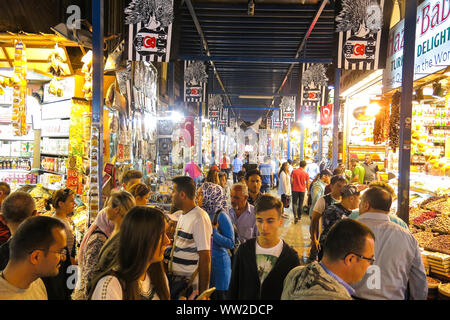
(398, 262)
(192, 244)
(37, 250)
(312, 169)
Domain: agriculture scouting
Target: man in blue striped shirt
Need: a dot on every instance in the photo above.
(192, 244)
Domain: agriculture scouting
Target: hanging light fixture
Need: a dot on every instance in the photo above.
(251, 8)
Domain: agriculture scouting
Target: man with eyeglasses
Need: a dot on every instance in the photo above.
(17, 208)
(348, 253)
(399, 264)
(37, 249)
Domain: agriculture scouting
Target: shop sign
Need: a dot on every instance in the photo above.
(66, 87)
(149, 30)
(361, 25)
(432, 50)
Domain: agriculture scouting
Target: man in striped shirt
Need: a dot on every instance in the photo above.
(192, 245)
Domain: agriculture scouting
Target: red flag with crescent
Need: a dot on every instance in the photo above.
(326, 114)
(189, 127)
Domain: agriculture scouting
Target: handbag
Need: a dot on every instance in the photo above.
(286, 200)
(179, 286)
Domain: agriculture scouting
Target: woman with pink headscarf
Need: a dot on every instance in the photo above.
(106, 224)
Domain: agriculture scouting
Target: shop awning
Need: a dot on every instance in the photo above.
(38, 50)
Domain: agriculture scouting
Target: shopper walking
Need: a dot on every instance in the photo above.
(300, 185)
(266, 175)
(37, 248)
(399, 269)
(358, 171)
(212, 200)
(254, 182)
(392, 217)
(194, 171)
(141, 193)
(63, 201)
(337, 183)
(348, 253)
(284, 188)
(96, 236)
(370, 170)
(139, 274)
(312, 169)
(5, 233)
(318, 188)
(261, 265)
(223, 182)
(111, 247)
(236, 166)
(349, 201)
(130, 178)
(242, 213)
(192, 245)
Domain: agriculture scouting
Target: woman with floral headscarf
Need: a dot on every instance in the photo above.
(211, 198)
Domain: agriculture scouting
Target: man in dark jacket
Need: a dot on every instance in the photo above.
(262, 263)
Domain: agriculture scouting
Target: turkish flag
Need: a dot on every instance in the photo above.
(189, 127)
(326, 113)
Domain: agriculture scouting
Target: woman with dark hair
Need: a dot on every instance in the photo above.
(211, 198)
(63, 201)
(119, 203)
(212, 176)
(140, 192)
(137, 273)
(284, 186)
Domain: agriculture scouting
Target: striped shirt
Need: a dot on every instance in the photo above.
(194, 232)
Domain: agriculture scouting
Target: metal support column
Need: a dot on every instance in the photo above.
(171, 85)
(336, 111)
(97, 88)
(289, 140)
(406, 110)
(200, 129)
(212, 142)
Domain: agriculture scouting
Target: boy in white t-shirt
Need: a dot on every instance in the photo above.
(262, 263)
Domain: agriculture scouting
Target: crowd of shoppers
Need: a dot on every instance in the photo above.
(216, 235)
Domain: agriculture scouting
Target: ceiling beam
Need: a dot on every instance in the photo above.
(255, 59)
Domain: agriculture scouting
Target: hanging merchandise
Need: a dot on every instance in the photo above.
(58, 67)
(195, 78)
(19, 111)
(314, 85)
(288, 107)
(114, 58)
(326, 114)
(361, 29)
(394, 122)
(149, 30)
(214, 105)
(87, 71)
(381, 125)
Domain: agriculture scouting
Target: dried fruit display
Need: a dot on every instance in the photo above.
(394, 122)
(432, 283)
(424, 217)
(415, 212)
(430, 200)
(441, 206)
(423, 238)
(439, 244)
(439, 224)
